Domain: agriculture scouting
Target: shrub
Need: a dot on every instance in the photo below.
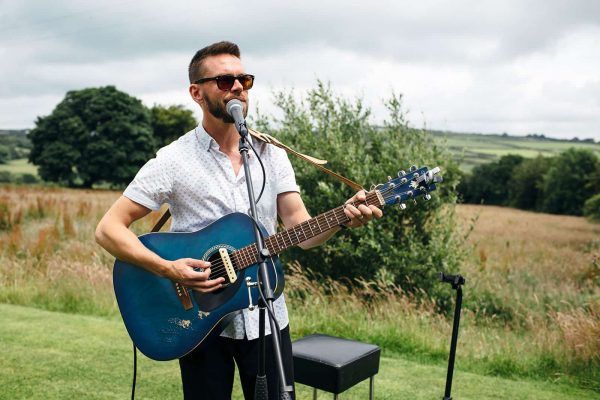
(6, 177)
(591, 208)
(406, 247)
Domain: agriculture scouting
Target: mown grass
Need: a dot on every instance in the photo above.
(531, 305)
(19, 166)
(50, 355)
(476, 149)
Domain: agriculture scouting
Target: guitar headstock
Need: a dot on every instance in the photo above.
(409, 185)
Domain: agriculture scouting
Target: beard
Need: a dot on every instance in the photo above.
(219, 110)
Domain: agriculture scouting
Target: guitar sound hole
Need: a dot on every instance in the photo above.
(209, 301)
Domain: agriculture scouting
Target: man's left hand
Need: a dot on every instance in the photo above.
(360, 214)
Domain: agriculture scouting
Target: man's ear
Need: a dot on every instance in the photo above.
(196, 94)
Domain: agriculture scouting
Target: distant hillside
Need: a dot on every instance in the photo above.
(14, 144)
(474, 148)
(470, 148)
(14, 132)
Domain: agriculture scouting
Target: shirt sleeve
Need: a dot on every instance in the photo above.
(152, 186)
(286, 179)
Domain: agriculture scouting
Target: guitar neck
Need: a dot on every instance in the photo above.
(297, 234)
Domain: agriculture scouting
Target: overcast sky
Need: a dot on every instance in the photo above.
(470, 66)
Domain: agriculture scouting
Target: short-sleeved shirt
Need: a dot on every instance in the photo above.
(198, 182)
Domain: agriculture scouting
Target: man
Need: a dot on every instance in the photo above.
(200, 177)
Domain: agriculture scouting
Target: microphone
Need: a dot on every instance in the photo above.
(236, 110)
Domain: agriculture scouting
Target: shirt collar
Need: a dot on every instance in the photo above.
(207, 142)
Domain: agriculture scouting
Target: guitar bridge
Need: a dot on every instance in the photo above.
(229, 269)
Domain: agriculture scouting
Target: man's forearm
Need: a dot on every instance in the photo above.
(122, 243)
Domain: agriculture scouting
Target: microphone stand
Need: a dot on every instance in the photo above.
(456, 281)
(261, 391)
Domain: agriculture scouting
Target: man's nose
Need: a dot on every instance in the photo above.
(237, 86)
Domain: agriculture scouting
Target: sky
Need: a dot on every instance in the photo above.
(519, 67)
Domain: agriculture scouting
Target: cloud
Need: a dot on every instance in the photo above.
(484, 66)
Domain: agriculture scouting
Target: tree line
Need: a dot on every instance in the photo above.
(568, 183)
(14, 144)
(102, 136)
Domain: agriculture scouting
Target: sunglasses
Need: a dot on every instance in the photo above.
(225, 82)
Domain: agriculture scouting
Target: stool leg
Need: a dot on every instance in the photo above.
(314, 393)
(335, 396)
(371, 387)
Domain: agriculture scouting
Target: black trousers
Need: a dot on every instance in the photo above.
(207, 372)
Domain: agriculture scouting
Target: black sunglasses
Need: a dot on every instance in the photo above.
(225, 82)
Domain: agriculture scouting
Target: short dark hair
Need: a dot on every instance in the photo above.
(195, 69)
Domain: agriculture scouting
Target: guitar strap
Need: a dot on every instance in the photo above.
(318, 163)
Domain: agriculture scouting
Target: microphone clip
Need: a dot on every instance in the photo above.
(242, 129)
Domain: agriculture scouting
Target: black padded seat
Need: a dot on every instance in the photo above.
(334, 364)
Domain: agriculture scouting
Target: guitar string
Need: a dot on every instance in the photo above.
(218, 269)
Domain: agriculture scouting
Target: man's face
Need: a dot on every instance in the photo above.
(216, 99)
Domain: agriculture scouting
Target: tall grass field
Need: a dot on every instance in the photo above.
(530, 323)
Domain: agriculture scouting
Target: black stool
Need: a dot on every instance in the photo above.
(334, 364)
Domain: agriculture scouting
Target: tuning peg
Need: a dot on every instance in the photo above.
(389, 178)
(402, 206)
(427, 196)
(438, 179)
(401, 173)
(413, 168)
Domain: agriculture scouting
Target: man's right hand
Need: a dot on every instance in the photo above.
(182, 271)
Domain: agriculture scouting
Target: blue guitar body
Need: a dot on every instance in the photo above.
(153, 313)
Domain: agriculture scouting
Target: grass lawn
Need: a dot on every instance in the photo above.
(20, 166)
(50, 355)
(476, 149)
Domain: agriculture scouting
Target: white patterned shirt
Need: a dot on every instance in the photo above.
(197, 181)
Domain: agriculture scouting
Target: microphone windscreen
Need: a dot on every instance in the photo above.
(232, 105)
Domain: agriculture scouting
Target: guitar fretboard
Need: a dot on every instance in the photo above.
(297, 234)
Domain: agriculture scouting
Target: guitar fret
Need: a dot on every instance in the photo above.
(272, 244)
(307, 223)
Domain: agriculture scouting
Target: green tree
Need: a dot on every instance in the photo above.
(567, 184)
(4, 154)
(525, 188)
(591, 208)
(94, 135)
(404, 247)
(489, 183)
(168, 123)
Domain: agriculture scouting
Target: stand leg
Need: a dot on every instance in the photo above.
(261, 390)
(452, 356)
